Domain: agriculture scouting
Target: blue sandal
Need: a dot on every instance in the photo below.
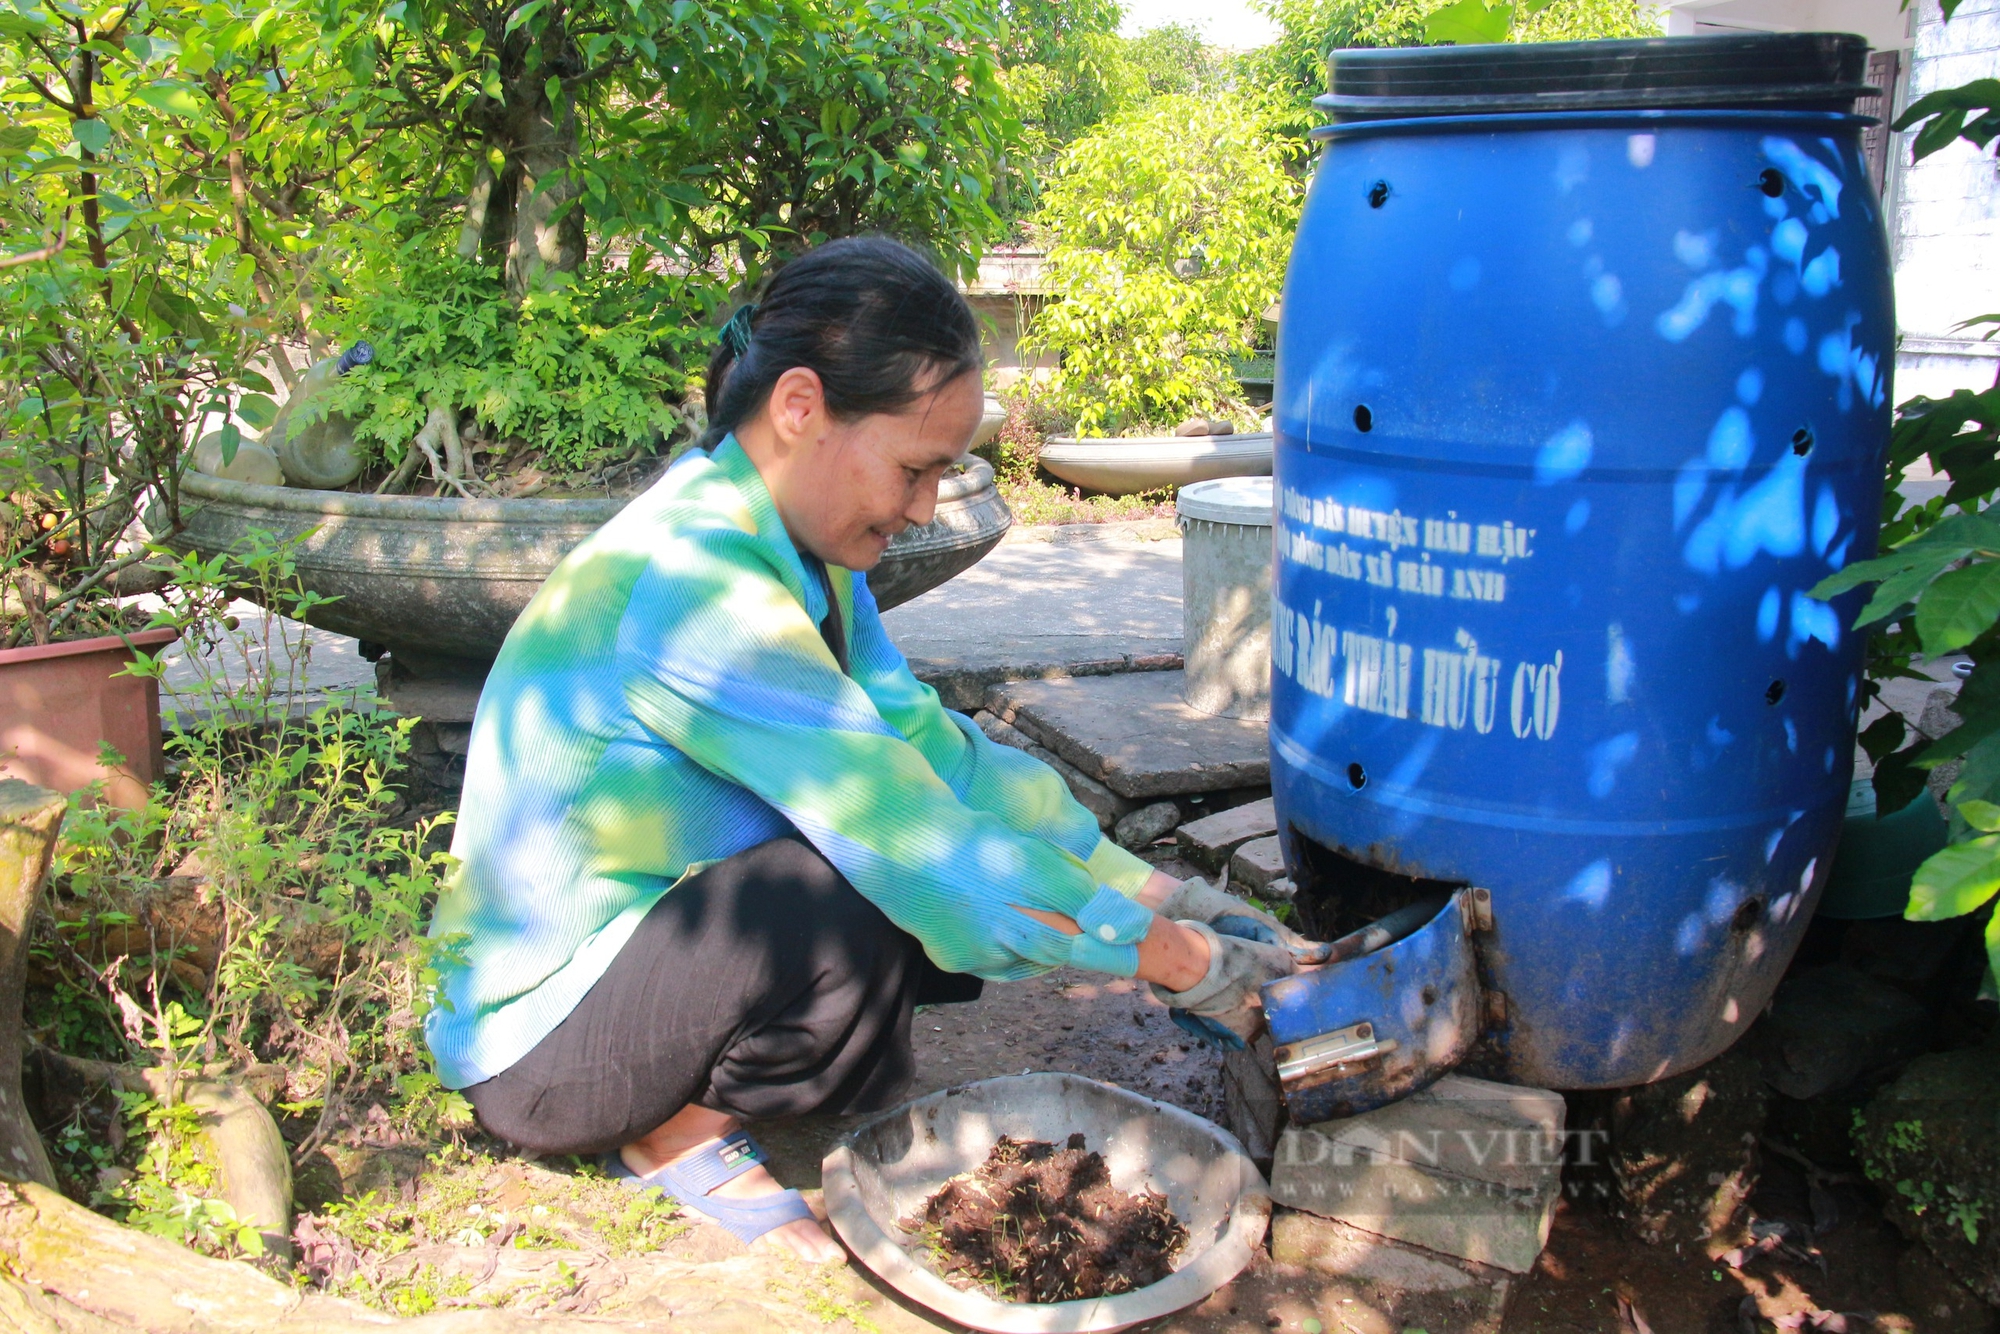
(691, 1180)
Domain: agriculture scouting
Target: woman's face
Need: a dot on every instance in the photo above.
(844, 489)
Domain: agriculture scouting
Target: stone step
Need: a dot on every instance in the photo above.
(1256, 864)
(1209, 841)
(1466, 1168)
(1134, 733)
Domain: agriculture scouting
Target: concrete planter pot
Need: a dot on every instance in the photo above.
(59, 703)
(440, 581)
(1122, 467)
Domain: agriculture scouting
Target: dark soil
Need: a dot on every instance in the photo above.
(1042, 1224)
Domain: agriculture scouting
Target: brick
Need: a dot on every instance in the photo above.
(1209, 841)
(1256, 864)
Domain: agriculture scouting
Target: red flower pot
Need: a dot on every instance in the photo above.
(60, 702)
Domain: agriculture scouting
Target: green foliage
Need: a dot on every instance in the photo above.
(1471, 22)
(263, 907)
(1310, 29)
(169, 1192)
(1903, 1161)
(1172, 225)
(170, 174)
(1970, 112)
(587, 367)
(721, 132)
(1068, 71)
(1937, 591)
(1172, 60)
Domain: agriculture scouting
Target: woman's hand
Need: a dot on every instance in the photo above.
(1197, 901)
(1227, 1003)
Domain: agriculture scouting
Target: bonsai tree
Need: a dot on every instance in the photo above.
(580, 187)
(149, 178)
(718, 132)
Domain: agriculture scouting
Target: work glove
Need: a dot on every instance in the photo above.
(1197, 901)
(1226, 1007)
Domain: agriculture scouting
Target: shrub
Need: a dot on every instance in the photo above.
(1172, 227)
(589, 367)
(264, 906)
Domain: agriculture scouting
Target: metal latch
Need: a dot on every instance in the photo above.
(1328, 1055)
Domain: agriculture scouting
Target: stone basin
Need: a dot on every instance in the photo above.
(439, 581)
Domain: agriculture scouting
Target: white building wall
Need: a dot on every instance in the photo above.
(1947, 217)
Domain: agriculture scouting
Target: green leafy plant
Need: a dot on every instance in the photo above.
(170, 172)
(1472, 22)
(1902, 1160)
(1311, 29)
(587, 368)
(1172, 225)
(169, 1192)
(264, 906)
(1937, 591)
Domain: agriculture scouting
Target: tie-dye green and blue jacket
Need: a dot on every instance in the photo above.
(667, 701)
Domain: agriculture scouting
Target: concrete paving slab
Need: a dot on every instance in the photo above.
(1078, 599)
(1135, 734)
(1466, 1168)
(1393, 1286)
(316, 666)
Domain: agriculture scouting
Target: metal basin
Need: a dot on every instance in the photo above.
(445, 579)
(886, 1169)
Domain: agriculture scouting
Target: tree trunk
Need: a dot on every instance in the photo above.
(473, 230)
(546, 234)
(29, 819)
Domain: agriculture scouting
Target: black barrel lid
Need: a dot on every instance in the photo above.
(1763, 71)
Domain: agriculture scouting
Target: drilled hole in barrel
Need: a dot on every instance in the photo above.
(1802, 441)
(1378, 194)
(1339, 893)
(1357, 777)
(1774, 692)
(1364, 420)
(1430, 995)
(1771, 181)
(1748, 914)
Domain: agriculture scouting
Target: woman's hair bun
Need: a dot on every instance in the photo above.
(874, 319)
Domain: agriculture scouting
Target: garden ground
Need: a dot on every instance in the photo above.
(502, 1231)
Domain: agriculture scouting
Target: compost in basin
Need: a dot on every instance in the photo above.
(1573, 408)
(1037, 1223)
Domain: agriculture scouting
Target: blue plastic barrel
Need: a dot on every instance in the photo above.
(1572, 409)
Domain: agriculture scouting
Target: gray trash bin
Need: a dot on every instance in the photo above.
(1226, 595)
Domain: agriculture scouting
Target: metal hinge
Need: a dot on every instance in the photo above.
(1478, 910)
(1318, 1058)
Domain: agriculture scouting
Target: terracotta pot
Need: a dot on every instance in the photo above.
(60, 702)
